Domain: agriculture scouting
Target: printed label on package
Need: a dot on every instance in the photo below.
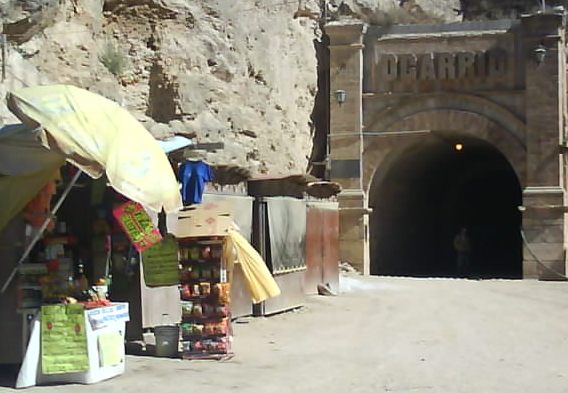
(138, 225)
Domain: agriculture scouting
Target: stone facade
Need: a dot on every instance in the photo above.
(481, 80)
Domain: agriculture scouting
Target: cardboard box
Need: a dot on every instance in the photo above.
(206, 219)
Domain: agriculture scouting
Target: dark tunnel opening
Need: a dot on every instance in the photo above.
(433, 190)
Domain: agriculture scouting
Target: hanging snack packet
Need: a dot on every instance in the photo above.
(222, 292)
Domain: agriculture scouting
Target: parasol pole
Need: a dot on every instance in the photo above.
(41, 230)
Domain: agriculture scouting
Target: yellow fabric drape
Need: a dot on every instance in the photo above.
(260, 282)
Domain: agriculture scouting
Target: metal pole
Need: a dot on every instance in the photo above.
(4, 53)
(260, 243)
(380, 133)
(41, 230)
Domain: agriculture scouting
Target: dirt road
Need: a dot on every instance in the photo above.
(384, 335)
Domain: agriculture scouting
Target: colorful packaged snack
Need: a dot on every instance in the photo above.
(205, 288)
(207, 344)
(185, 292)
(197, 310)
(206, 252)
(194, 253)
(222, 345)
(209, 329)
(221, 311)
(186, 308)
(216, 252)
(220, 327)
(197, 346)
(185, 275)
(186, 328)
(208, 309)
(222, 292)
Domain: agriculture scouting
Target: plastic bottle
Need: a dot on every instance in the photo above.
(81, 281)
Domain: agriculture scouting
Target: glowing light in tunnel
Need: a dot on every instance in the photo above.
(458, 146)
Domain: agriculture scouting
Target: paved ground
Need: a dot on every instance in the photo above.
(384, 335)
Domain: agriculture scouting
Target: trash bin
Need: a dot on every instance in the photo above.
(167, 340)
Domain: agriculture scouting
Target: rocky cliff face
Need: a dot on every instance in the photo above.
(241, 72)
(499, 9)
(228, 71)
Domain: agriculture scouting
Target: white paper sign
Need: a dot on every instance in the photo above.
(103, 316)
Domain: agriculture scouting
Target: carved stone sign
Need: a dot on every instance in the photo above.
(442, 66)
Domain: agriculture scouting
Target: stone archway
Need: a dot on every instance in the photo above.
(493, 167)
(460, 102)
(444, 114)
(515, 115)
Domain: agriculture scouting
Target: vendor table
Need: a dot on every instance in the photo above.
(104, 328)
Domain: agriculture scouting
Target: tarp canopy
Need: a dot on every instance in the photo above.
(98, 136)
(25, 167)
(178, 142)
(21, 152)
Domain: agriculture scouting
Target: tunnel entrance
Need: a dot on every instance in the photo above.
(431, 191)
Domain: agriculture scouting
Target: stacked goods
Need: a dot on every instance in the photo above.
(204, 291)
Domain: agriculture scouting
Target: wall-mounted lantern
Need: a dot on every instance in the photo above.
(540, 54)
(340, 96)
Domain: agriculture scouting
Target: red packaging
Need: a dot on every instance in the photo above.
(52, 265)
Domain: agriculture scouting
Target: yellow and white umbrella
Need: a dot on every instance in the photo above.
(93, 133)
(98, 136)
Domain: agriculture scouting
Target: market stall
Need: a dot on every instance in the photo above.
(205, 300)
(71, 344)
(209, 249)
(78, 254)
(70, 330)
(205, 277)
(296, 236)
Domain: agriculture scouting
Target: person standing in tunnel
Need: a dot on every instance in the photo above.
(462, 245)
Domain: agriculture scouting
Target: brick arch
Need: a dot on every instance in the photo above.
(384, 152)
(385, 119)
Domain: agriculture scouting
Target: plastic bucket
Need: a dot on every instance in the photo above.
(167, 340)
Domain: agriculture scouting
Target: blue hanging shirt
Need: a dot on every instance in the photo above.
(193, 176)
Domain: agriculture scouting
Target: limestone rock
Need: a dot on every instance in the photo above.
(495, 9)
(387, 12)
(110, 89)
(160, 131)
(19, 73)
(240, 72)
